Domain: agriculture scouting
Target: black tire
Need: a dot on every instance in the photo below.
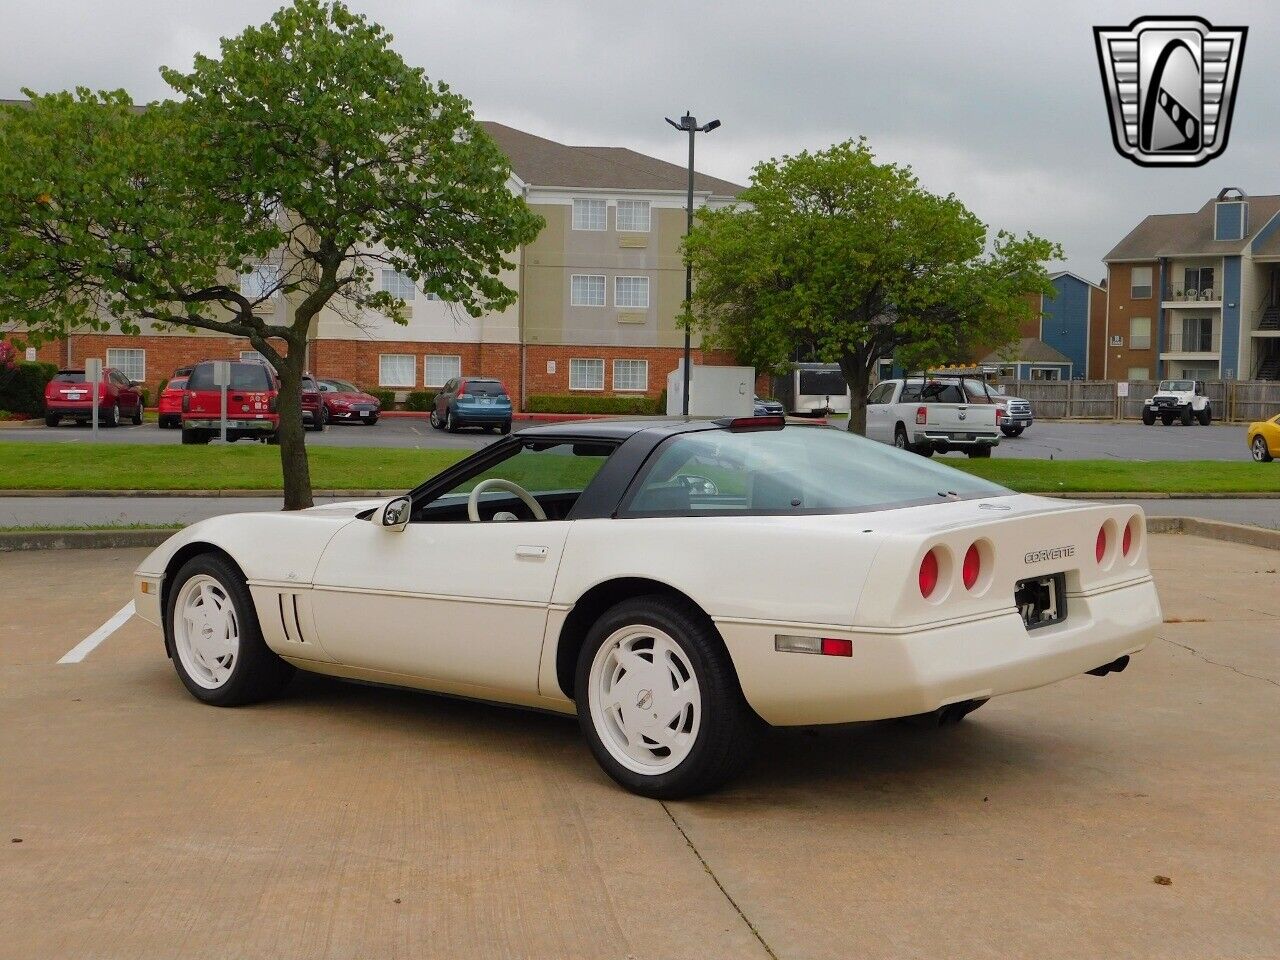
(137, 414)
(273, 438)
(1186, 416)
(435, 420)
(900, 438)
(113, 417)
(1261, 454)
(1148, 417)
(316, 424)
(505, 428)
(450, 422)
(371, 420)
(257, 673)
(1205, 416)
(980, 453)
(324, 415)
(51, 420)
(728, 728)
(195, 436)
(1012, 431)
(1166, 419)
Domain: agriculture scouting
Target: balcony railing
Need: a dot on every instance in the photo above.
(1181, 295)
(1192, 339)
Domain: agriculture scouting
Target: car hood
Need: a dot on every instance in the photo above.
(352, 397)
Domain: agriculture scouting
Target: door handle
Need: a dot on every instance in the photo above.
(528, 552)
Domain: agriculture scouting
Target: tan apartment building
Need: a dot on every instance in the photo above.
(600, 293)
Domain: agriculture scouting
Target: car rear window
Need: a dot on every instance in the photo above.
(177, 383)
(69, 376)
(244, 376)
(486, 388)
(932, 392)
(793, 470)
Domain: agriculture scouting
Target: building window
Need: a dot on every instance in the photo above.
(631, 375)
(1139, 373)
(439, 370)
(132, 363)
(1197, 334)
(1139, 333)
(589, 214)
(398, 284)
(261, 280)
(252, 356)
(1140, 283)
(397, 370)
(631, 292)
(587, 290)
(633, 215)
(586, 374)
(1197, 279)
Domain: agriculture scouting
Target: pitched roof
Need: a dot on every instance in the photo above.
(1029, 350)
(546, 163)
(1190, 234)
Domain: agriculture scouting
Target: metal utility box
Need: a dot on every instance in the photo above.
(713, 391)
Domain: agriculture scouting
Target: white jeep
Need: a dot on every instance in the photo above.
(1178, 400)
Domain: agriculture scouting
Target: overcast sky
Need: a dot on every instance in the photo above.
(1000, 103)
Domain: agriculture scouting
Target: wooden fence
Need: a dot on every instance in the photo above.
(1235, 400)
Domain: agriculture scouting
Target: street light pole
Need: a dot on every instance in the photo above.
(690, 124)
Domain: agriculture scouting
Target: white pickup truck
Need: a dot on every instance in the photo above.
(932, 415)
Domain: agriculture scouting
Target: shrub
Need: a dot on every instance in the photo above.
(22, 387)
(385, 397)
(641, 406)
(420, 400)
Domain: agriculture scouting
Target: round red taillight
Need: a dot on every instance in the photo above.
(1126, 542)
(928, 574)
(1100, 548)
(972, 567)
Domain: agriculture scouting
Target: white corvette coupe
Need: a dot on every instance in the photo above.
(612, 569)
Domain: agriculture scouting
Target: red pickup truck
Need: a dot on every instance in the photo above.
(69, 397)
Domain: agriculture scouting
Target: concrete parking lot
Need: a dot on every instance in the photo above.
(355, 821)
(1061, 440)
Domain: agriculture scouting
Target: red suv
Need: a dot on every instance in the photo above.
(313, 411)
(251, 404)
(67, 397)
(169, 406)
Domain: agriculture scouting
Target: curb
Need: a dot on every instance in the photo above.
(1216, 530)
(82, 539)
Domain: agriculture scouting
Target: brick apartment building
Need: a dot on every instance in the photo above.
(1197, 295)
(600, 290)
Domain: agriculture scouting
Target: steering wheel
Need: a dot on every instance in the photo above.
(497, 483)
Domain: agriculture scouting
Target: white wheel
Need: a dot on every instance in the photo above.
(644, 698)
(206, 631)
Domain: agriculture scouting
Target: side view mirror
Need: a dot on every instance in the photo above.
(394, 515)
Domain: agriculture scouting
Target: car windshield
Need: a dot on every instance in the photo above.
(796, 469)
(69, 376)
(937, 391)
(485, 388)
(1177, 386)
(341, 386)
(244, 376)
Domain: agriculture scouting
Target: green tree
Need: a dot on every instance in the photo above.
(299, 162)
(834, 257)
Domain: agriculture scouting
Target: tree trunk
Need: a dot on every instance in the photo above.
(859, 379)
(293, 445)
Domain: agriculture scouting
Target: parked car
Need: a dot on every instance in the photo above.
(932, 415)
(343, 400)
(606, 568)
(68, 396)
(313, 412)
(169, 405)
(1017, 415)
(1264, 439)
(472, 402)
(768, 408)
(1182, 400)
(251, 404)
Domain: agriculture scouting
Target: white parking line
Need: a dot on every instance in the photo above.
(87, 645)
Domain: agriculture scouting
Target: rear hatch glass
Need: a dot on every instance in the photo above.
(486, 388)
(244, 376)
(69, 376)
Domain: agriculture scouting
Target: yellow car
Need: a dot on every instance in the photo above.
(1264, 439)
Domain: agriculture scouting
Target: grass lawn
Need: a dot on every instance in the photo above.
(257, 467)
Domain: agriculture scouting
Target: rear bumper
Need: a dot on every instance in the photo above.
(201, 423)
(917, 671)
(80, 410)
(473, 415)
(946, 439)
